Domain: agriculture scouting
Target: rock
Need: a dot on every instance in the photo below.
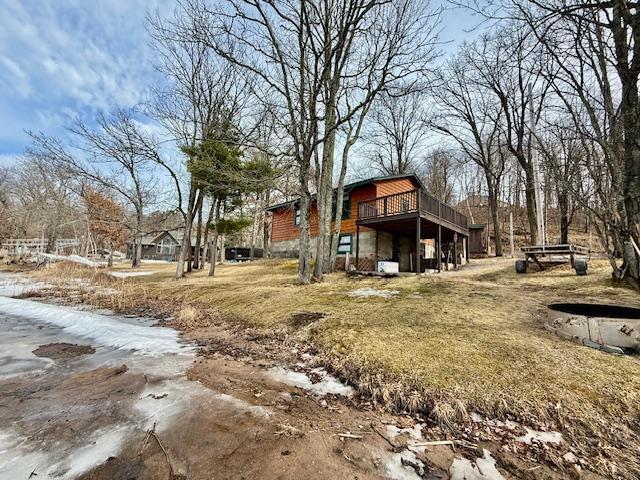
(569, 457)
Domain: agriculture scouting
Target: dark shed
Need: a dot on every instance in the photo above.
(477, 240)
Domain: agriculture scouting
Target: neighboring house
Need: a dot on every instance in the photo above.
(383, 218)
(162, 246)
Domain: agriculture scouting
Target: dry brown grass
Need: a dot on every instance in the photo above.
(447, 345)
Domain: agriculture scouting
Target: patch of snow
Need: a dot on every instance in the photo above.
(70, 258)
(540, 437)
(483, 468)
(328, 384)
(529, 437)
(415, 433)
(396, 470)
(372, 292)
(128, 274)
(105, 330)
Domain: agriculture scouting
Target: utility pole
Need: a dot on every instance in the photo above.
(536, 173)
(513, 250)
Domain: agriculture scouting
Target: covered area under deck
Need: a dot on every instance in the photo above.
(413, 229)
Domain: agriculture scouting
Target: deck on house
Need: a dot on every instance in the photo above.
(414, 213)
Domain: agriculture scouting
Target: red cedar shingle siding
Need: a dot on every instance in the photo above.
(283, 228)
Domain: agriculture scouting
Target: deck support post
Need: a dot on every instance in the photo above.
(439, 248)
(455, 251)
(357, 247)
(465, 244)
(418, 235)
(375, 266)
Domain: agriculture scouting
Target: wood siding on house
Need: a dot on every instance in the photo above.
(389, 187)
(283, 227)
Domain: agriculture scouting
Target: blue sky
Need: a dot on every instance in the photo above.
(62, 58)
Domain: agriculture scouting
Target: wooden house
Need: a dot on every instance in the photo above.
(383, 219)
(162, 246)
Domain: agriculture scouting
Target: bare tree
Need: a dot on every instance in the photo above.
(510, 65)
(596, 65)
(439, 170)
(396, 131)
(116, 156)
(201, 97)
(472, 117)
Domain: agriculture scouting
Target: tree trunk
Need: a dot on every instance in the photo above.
(185, 246)
(266, 246)
(196, 258)
(137, 252)
(631, 215)
(205, 240)
(340, 196)
(530, 193)
(304, 253)
(563, 207)
(213, 246)
(495, 217)
(255, 228)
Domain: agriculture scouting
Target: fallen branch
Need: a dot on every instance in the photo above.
(384, 437)
(452, 443)
(350, 435)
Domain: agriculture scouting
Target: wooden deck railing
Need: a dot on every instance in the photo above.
(410, 202)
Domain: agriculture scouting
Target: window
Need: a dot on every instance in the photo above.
(346, 207)
(344, 243)
(159, 247)
(296, 220)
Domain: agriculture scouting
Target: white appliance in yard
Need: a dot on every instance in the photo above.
(388, 267)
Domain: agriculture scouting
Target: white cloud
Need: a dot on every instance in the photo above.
(94, 54)
(65, 58)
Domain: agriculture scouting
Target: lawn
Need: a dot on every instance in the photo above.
(445, 346)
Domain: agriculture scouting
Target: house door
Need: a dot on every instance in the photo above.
(395, 248)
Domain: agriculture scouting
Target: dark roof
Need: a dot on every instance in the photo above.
(477, 225)
(351, 186)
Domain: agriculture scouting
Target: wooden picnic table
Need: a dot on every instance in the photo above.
(555, 254)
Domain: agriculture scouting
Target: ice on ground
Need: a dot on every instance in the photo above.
(104, 330)
(397, 470)
(540, 437)
(14, 284)
(128, 274)
(12, 465)
(483, 468)
(372, 292)
(328, 384)
(17, 359)
(162, 403)
(101, 445)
